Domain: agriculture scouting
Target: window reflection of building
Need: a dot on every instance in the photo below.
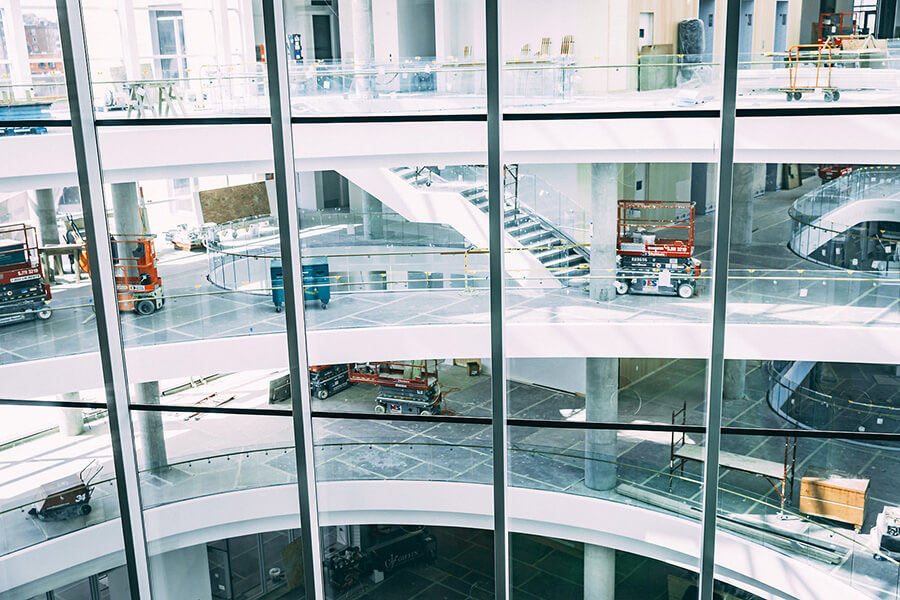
(42, 39)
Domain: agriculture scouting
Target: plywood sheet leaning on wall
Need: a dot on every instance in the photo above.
(235, 202)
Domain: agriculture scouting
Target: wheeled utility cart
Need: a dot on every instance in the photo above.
(24, 294)
(655, 246)
(67, 497)
(803, 80)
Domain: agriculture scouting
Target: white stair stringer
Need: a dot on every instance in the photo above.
(421, 205)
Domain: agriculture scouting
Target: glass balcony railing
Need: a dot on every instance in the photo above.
(416, 452)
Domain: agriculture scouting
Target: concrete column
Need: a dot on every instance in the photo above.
(370, 207)
(698, 187)
(735, 379)
(46, 213)
(601, 401)
(373, 222)
(601, 404)
(126, 209)
(742, 206)
(71, 420)
(150, 426)
(357, 39)
(599, 573)
(604, 196)
(181, 574)
(306, 192)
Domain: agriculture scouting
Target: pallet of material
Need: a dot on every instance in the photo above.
(837, 496)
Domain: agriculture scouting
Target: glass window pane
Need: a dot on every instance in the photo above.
(376, 58)
(200, 59)
(814, 244)
(408, 561)
(59, 481)
(589, 56)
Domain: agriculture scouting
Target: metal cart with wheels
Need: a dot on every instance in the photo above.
(801, 54)
(67, 497)
(24, 293)
(655, 246)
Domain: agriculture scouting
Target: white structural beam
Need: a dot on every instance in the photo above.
(135, 153)
(876, 345)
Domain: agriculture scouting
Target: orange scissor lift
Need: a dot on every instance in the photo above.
(138, 286)
(824, 61)
(650, 258)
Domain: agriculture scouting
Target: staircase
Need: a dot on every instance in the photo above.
(552, 248)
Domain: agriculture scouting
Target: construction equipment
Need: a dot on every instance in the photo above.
(24, 293)
(77, 237)
(887, 531)
(316, 276)
(138, 286)
(832, 25)
(647, 262)
(325, 380)
(404, 387)
(831, 172)
(67, 497)
(276, 274)
(822, 54)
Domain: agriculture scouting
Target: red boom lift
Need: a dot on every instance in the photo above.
(655, 247)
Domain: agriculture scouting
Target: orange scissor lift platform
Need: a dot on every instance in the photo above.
(138, 285)
(655, 247)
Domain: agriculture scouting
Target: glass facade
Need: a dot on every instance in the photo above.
(594, 301)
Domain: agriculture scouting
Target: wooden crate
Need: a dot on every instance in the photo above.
(837, 496)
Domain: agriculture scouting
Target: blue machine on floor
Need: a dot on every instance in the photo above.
(277, 275)
(315, 282)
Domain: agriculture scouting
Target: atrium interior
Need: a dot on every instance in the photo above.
(449, 299)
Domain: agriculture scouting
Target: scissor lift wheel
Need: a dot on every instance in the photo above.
(685, 290)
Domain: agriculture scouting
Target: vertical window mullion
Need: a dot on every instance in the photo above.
(289, 236)
(721, 241)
